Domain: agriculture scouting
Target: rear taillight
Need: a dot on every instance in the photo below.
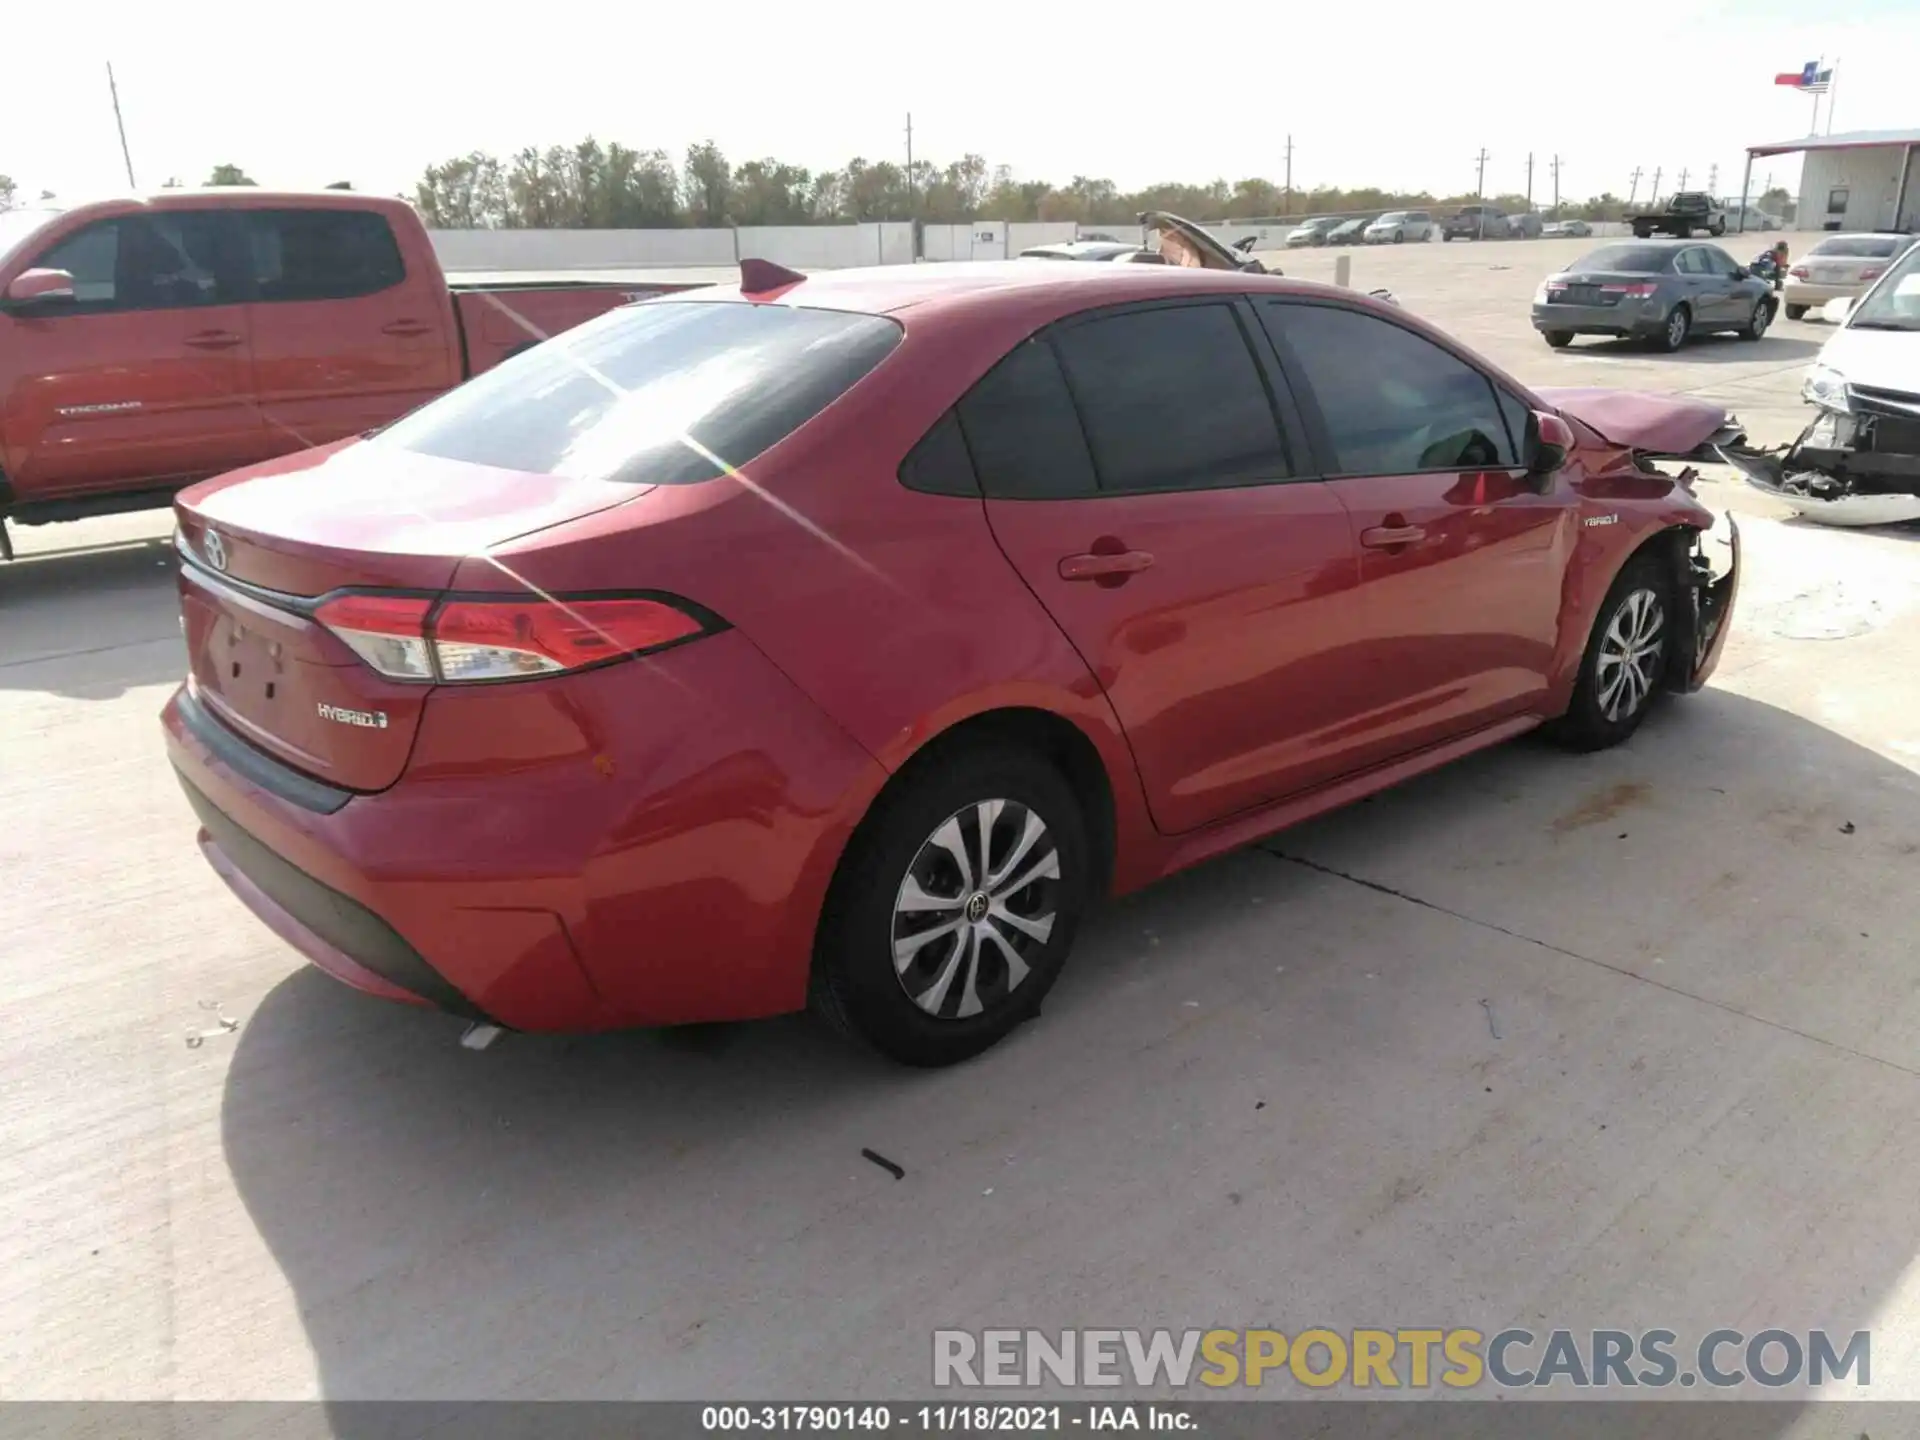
(475, 638)
(1799, 272)
(1872, 272)
(1639, 290)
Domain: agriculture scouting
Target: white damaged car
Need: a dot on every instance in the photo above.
(1858, 463)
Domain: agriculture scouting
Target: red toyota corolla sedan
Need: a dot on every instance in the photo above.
(840, 640)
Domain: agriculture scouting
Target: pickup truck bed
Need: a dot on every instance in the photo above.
(148, 343)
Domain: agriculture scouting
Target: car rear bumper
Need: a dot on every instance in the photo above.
(1629, 318)
(1806, 292)
(640, 844)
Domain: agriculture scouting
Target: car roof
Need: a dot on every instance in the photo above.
(958, 285)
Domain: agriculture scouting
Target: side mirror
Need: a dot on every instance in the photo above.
(1549, 442)
(39, 287)
(1835, 312)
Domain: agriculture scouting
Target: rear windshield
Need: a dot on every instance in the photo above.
(1394, 215)
(1862, 247)
(620, 397)
(1629, 259)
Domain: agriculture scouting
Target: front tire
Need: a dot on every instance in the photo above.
(1399, 237)
(1718, 229)
(1558, 339)
(1625, 661)
(955, 907)
(1757, 322)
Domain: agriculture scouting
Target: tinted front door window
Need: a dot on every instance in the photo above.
(1393, 402)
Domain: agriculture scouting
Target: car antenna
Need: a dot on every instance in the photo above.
(762, 277)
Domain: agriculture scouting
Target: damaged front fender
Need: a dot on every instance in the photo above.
(1853, 467)
(1707, 576)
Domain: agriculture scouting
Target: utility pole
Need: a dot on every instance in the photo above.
(1286, 200)
(121, 125)
(1529, 180)
(1713, 179)
(911, 206)
(1480, 183)
(1684, 172)
(1555, 167)
(1636, 187)
(1654, 199)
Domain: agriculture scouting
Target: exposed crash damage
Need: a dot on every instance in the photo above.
(1858, 463)
(1705, 563)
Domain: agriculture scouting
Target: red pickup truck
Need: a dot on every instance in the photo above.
(148, 343)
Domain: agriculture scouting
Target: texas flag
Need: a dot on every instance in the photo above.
(1809, 78)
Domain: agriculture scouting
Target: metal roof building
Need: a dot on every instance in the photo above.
(1857, 180)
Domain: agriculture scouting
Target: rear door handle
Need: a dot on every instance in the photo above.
(406, 327)
(213, 340)
(1388, 537)
(1094, 566)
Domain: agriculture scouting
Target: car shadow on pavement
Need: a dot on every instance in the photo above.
(1772, 347)
(1696, 940)
(90, 622)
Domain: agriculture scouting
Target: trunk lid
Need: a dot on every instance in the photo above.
(1593, 287)
(1658, 424)
(260, 546)
(1184, 243)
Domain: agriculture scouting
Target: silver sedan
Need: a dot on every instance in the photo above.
(1840, 265)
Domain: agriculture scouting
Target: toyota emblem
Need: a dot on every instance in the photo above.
(215, 549)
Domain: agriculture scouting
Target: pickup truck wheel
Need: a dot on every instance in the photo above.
(1643, 232)
(1673, 333)
(1717, 229)
(1796, 312)
(1558, 339)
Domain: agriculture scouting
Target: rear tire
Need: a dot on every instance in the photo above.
(932, 956)
(1643, 232)
(1674, 330)
(1796, 312)
(1558, 339)
(1625, 661)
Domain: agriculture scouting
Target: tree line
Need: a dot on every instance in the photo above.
(591, 186)
(612, 186)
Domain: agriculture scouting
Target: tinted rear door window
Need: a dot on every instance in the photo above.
(666, 392)
(1172, 398)
(1393, 402)
(1023, 433)
(322, 254)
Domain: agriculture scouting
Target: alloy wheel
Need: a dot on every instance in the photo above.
(1628, 665)
(1676, 329)
(977, 905)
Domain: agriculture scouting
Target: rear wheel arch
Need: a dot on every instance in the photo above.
(1046, 733)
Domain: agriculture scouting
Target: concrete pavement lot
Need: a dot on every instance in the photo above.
(1627, 1040)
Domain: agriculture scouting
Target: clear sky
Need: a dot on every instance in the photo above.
(1400, 95)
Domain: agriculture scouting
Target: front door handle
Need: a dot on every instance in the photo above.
(406, 327)
(1110, 568)
(213, 340)
(1391, 537)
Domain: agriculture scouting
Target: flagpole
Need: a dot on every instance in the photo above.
(1833, 88)
(1818, 65)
